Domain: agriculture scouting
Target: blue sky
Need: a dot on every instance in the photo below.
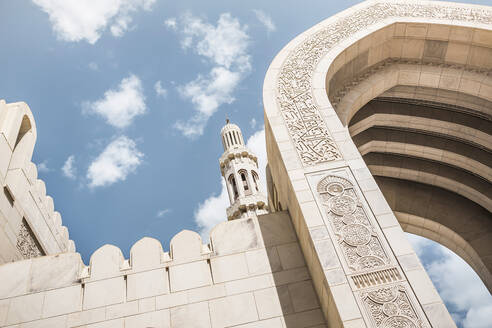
(129, 97)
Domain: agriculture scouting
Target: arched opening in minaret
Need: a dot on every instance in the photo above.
(255, 179)
(244, 179)
(232, 182)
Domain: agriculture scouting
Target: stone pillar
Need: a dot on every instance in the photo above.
(365, 272)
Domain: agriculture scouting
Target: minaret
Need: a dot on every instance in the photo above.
(239, 167)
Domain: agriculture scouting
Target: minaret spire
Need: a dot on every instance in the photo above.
(239, 167)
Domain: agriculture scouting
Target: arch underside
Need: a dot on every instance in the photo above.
(421, 117)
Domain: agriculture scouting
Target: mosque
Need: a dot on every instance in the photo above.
(377, 121)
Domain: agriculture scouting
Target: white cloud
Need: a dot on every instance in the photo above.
(93, 66)
(207, 94)
(120, 158)
(68, 168)
(461, 289)
(75, 20)
(159, 90)
(162, 213)
(212, 210)
(171, 23)
(119, 107)
(265, 19)
(225, 47)
(43, 167)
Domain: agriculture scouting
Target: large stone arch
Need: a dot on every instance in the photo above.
(324, 97)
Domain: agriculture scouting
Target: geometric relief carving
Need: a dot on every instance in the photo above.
(375, 278)
(390, 307)
(27, 244)
(357, 237)
(301, 114)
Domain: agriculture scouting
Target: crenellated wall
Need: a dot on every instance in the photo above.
(29, 225)
(252, 274)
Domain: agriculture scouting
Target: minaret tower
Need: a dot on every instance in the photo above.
(239, 167)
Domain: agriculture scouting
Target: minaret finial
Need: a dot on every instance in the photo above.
(227, 120)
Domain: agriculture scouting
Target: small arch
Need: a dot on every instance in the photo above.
(244, 178)
(234, 135)
(23, 129)
(255, 179)
(232, 181)
(230, 139)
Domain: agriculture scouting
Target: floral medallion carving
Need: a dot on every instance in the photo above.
(357, 237)
(390, 307)
(301, 114)
(342, 205)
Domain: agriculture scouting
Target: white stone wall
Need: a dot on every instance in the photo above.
(252, 274)
(23, 199)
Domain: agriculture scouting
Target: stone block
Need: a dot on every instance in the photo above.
(249, 284)
(269, 323)
(191, 316)
(230, 267)
(345, 302)
(290, 276)
(273, 302)
(15, 278)
(117, 323)
(62, 301)
(86, 317)
(264, 260)
(171, 300)
(326, 254)
(206, 293)
(4, 308)
(398, 241)
(25, 308)
(55, 271)
(422, 286)
(146, 305)
(303, 296)
(121, 310)
(190, 275)
(290, 256)
(158, 319)
(276, 228)
(234, 236)
(304, 319)
(233, 310)
(438, 315)
(146, 284)
(104, 292)
(55, 322)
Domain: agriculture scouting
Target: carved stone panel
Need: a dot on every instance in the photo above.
(301, 114)
(27, 244)
(358, 238)
(391, 307)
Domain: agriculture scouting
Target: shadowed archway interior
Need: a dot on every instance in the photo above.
(432, 161)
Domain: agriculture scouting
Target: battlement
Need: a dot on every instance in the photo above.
(253, 267)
